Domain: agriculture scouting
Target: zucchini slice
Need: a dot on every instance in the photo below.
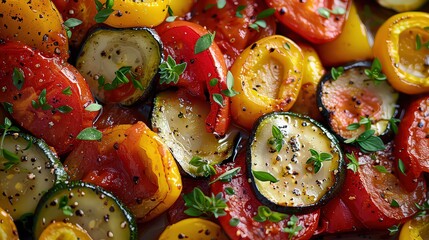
(120, 65)
(353, 96)
(179, 120)
(91, 207)
(297, 187)
(37, 170)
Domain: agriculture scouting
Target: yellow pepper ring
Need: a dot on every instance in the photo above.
(268, 76)
(131, 13)
(405, 64)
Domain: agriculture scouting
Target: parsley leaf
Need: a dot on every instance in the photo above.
(277, 140)
(199, 204)
(266, 214)
(203, 166)
(204, 42)
(292, 227)
(317, 159)
(264, 176)
(170, 71)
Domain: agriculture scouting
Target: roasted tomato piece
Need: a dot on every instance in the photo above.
(374, 194)
(180, 38)
(412, 142)
(44, 95)
(235, 24)
(243, 205)
(83, 10)
(311, 19)
(132, 162)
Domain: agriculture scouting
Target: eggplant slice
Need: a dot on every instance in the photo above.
(120, 65)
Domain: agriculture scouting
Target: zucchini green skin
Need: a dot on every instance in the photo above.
(382, 127)
(179, 121)
(24, 184)
(337, 175)
(114, 220)
(124, 47)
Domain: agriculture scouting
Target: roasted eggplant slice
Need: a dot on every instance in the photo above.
(91, 207)
(120, 65)
(179, 119)
(295, 165)
(26, 173)
(353, 96)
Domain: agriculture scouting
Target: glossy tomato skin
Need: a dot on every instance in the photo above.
(243, 205)
(58, 129)
(336, 217)
(179, 39)
(303, 18)
(83, 10)
(369, 193)
(233, 33)
(412, 142)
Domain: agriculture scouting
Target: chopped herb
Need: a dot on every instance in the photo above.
(266, 13)
(65, 109)
(264, 176)
(63, 205)
(229, 191)
(121, 78)
(204, 42)
(381, 168)
(317, 159)
(67, 91)
(337, 72)
(234, 222)
(238, 11)
(258, 23)
(18, 78)
(266, 214)
(420, 44)
(221, 4)
(394, 203)
(12, 159)
(203, 166)
(401, 166)
(230, 92)
(213, 82)
(277, 140)
(393, 229)
(42, 102)
(287, 46)
(292, 227)
(170, 71)
(90, 134)
(227, 176)
(354, 163)
(394, 124)
(70, 23)
(423, 209)
(368, 142)
(171, 16)
(93, 107)
(8, 107)
(217, 98)
(199, 204)
(375, 72)
(362, 122)
(326, 13)
(259, 19)
(103, 10)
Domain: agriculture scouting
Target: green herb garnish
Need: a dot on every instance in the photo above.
(67, 91)
(227, 176)
(203, 166)
(199, 204)
(292, 227)
(277, 140)
(394, 203)
(381, 168)
(234, 222)
(259, 19)
(90, 134)
(393, 229)
(42, 102)
(18, 78)
(204, 42)
(317, 159)
(93, 107)
(170, 71)
(12, 159)
(103, 10)
(229, 191)
(266, 214)
(401, 166)
(218, 98)
(70, 23)
(354, 163)
(63, 205)
(423, 209)
(264, 176)
(230, 92)
(221, 4)
(337, 72)
(375, 73)
(326, 13)
(238, 11)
